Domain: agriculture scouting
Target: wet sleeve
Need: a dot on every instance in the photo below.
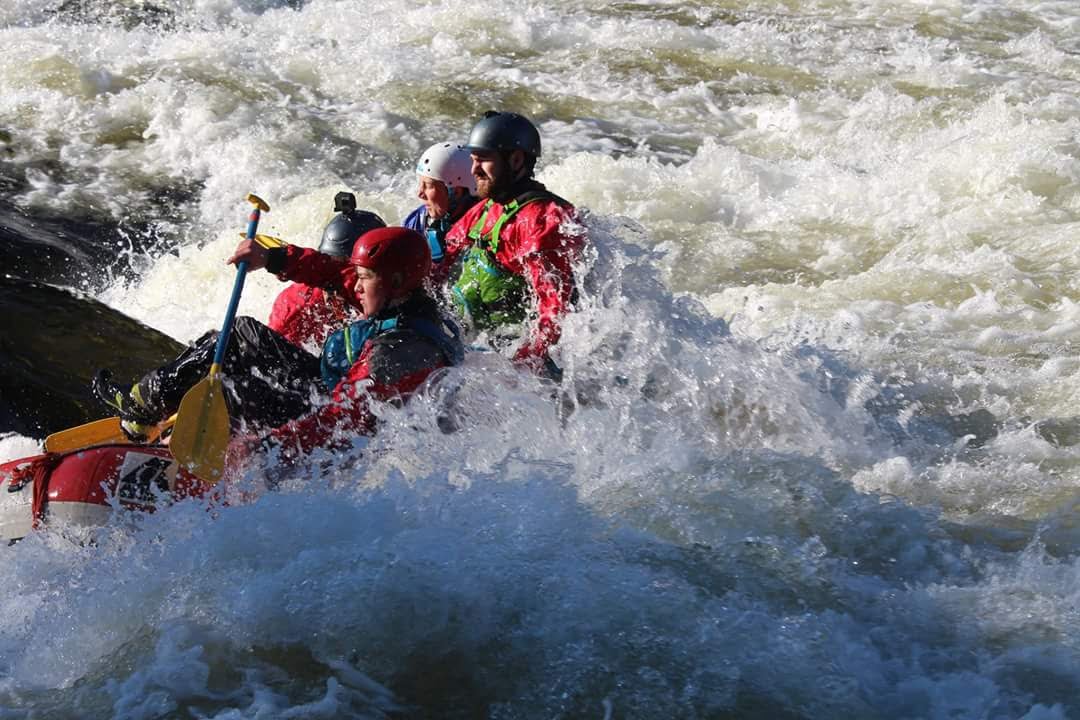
(385, 371)
(545, 250)
(550, 275)
(311, 267)
(347, 413)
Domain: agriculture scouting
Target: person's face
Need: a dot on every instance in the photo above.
(372, 291)
(493, 172)
(435, 197)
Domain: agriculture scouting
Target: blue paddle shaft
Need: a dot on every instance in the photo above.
(234, 301)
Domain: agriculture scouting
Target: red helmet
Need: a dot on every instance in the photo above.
(390, 251)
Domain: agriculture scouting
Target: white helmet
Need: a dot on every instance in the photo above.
(448, 163)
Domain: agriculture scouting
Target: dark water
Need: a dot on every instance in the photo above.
(54, 336)
(860, 504)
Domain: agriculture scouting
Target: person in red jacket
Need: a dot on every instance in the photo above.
(301, 400)
(517, 247)
(306, 314)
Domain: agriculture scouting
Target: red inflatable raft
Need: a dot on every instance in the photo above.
(82, 487)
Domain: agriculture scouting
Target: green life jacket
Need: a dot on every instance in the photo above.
(487, 294)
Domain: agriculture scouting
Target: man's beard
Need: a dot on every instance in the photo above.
(485, 187)
(499, 189)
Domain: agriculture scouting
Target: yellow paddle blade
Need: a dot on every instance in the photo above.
(99, 432)
(267, 241)
(201, 435)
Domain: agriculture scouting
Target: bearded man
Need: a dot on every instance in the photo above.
(517, 246)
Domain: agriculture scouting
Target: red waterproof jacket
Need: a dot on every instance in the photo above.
(390, 367)
(305, 315)
(539, 243)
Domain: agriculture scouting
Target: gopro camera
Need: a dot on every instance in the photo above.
(344, 202)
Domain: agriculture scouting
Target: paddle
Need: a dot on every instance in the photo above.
(201, 435)
(99, 432)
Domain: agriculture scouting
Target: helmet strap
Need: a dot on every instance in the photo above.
(510, 155)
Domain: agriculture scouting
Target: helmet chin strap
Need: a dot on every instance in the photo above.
(389, 305)
(505, 194)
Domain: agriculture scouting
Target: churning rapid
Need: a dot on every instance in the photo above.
(816, 451)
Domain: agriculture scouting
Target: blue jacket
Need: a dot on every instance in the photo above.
(418, 221)
(435, 233)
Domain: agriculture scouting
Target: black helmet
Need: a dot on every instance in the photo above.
(503, 132)
(349, 224)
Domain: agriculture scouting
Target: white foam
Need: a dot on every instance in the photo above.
(880, 200)
(13, 447)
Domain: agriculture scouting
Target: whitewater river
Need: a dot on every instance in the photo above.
(816, 453)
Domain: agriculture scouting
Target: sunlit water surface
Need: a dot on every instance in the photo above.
(815, 453)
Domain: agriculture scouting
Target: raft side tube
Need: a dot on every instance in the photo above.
(80, 485)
